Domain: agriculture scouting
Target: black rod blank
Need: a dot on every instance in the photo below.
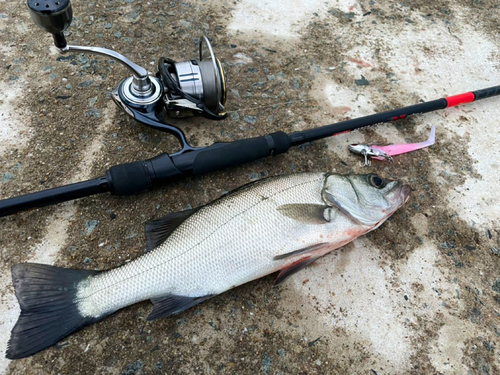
(52, 196)
(378, 118)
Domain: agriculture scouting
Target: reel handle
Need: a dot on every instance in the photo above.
(53, 16)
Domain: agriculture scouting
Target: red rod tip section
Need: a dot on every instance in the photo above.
(454, 100)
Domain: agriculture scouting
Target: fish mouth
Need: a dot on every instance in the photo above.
(399, 195)
(405, 193)
(402, 195)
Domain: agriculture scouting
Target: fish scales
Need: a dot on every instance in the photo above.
(224, 244)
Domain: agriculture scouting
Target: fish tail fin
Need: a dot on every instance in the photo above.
(49, 311)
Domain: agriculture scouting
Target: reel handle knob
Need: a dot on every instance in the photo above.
(53, 16)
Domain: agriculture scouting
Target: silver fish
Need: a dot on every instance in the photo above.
(277, 224)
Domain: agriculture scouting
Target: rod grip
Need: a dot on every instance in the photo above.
(224, 155)
(131, 178)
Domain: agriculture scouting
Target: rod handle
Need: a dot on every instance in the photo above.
(225, 155)
(131, 178)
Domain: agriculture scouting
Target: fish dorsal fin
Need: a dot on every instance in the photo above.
(157, 231)
(293, 268)
(306, 213)
(173, 304)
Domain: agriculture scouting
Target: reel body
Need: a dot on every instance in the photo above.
(179, 90)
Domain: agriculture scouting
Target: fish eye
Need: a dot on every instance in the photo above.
(376, 181)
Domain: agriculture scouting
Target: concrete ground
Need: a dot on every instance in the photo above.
(420, 295)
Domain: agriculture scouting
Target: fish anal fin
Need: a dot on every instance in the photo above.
(293, 268)
(157, 231)
(173, 304)
(305, 250)
(304, 212)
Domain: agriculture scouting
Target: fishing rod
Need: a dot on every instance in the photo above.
(131, 178)
(180, 90)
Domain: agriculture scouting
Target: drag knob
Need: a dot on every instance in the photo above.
(53, 16)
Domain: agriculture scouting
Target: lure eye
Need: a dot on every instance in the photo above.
(376, 181)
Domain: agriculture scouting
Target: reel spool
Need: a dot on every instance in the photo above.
(195, 87)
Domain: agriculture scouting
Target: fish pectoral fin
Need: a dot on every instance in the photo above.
(305, 213)
(157, 231)
(308, 249)
(293, 268)
(172, 304)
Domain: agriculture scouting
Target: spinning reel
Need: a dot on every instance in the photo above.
(179, 89)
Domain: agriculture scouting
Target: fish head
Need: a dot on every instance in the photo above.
(366, 199)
